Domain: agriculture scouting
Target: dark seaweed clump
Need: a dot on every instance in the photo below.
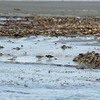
(91, 59)
(50, 25)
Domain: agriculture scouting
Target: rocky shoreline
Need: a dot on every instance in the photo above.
(49, 25)
(89, 59)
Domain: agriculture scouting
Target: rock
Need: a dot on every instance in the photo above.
(12, 59)
(17, 48)
(90, 59)
(17, 9)
(1, 54)
(1, 47)
(21, 45)
(65, 47)
(49, 71)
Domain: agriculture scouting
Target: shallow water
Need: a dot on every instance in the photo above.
(5, 18)
(33, 46)
(36, 82)
(51, 7)
(27, 77)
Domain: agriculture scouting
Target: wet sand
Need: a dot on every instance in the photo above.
(33, 49)
(52, 8)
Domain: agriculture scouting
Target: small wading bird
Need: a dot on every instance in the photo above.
(39, 57)
(17, 9)
(49, 56)
(13, 58)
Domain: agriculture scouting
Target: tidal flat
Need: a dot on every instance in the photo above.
(38, 42)
(28, 73)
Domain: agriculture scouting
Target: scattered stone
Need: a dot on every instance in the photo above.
(17, 48)
(10, 41)
(12, 59)
(1, 54)
(98, 79)
(21, 45)
(1, 47)
(49, 71)
(91, 59)
(17, 9)
(25, 85)
(5, 54)
(65, 47)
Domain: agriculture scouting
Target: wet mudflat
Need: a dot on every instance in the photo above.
(28, 82)
(46, 50)
(36, 58)
(42, 68)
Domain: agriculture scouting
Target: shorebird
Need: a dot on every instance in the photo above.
(13, 58)
(39, 57)
(49, 56)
